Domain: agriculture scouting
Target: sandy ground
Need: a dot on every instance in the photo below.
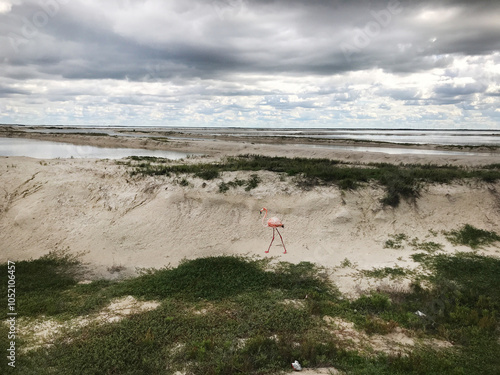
(121, 223)
(94, 207)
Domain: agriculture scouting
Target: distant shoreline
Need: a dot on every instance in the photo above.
(187, 128)
(226, 144)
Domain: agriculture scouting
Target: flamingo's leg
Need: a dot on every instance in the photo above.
(270, 243)
(281, 240)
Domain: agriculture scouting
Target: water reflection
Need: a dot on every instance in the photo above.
(397, 150)
(51, 150)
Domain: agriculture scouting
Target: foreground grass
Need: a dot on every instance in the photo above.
(400, 181)
(233, 315)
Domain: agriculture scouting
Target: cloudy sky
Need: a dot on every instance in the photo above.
(264, 63)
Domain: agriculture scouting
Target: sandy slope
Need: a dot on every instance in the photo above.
(95, 207)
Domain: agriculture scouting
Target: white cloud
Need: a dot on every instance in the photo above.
(5, 6)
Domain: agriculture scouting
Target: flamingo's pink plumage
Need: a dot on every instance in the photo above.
(274, 223)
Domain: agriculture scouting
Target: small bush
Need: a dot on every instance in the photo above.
(252, 182)
(381, 273)
(376, 326)
(208, 174)
(223, 187)
(396, 241)
(373, 303)
(430, 246)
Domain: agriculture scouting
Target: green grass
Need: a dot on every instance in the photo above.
(391, 272)
(472, 237)
(429, 246)
(44, 286)
(396, 241)
(150, 159)
(403, 181)
(219, 278)
(230, 315)
(249, 184)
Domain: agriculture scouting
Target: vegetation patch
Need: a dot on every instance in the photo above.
(391, 272)
(472, 237)
(395, 241)
(400, 240)
(160, 139)
(428, 246)
(249, 184)
(231, 315)
(402, 181)
(184, 182)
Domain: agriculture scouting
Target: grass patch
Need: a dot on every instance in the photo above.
(396, 241)
(230, 315)
(474, 275)
(403, 181)
(42, 285)
(392, 272)
(184, 182)
(472, 237)
(428, 246)
(218, 278)
(249, 184)
(150, 159)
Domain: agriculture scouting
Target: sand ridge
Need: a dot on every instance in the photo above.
(121, 222)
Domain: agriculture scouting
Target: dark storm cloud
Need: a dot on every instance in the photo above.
(275, 36)
(9, 91)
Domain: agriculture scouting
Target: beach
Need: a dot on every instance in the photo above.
(121, 223)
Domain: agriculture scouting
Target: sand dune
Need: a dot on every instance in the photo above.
(121, 222)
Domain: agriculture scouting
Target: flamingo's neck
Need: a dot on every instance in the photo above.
(264, 218)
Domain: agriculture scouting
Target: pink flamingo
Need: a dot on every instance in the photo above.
(274, 223)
